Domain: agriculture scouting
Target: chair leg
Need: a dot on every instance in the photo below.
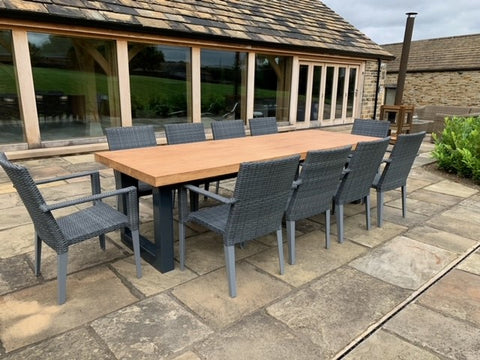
(181, 244)
(380, 208)
(291, 241)
(339, 217)
(101, 239)
(327, 229)
(230, 265)
(404, 201)
(62, 260)
(38, 254)
(366, 200)
(280, 251)
(217, 187)
(136, 252)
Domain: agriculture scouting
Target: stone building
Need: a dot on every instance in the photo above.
(440, 72)
(70, 69)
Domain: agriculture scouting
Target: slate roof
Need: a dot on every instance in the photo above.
(442, 54)
(303, 24)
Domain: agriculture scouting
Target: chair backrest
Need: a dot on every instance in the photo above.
(318, 183)
(370, 127)
(263, 126)
(227, 129)
(184, 133)
(45, 224)
(261, 194)
(130, 137)
(361, 170)
(400, 162)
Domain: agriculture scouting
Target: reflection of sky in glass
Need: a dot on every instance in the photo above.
(38, 39)
(222, 59)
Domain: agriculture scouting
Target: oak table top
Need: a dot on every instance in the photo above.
(176, 164)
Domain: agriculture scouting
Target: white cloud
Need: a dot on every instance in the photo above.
(384, 21)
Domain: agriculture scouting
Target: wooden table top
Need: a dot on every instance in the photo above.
(176, 164)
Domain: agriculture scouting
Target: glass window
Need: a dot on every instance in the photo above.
(76, 85)
(317, 78)
(272, 86)
(11, 127)
(302, 92)
(327, 106)
(352, 82)
(160, 83)
(223, 79)
(340, 93)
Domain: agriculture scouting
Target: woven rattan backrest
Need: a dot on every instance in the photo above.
(402, 157)
(44, 222)
(184, 133)
(227, 129)
(261, 191)
(130, 137)
(370, 127)
(363, 167)
(263, 126)
(319, 180)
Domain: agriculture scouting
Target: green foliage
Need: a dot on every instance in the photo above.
(458, 148)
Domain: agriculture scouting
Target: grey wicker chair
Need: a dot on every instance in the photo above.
(396, 170)
(131, 137)
(61, 232)
(358, 178)
(263, 126)
(256, 209)
(370, 127)
(184, 133)
(313, 191)
(227, 129)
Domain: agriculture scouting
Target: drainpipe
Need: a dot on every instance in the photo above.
(402, 73)
(379, 63)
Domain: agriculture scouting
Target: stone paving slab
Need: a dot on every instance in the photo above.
(385, 346)
(257, 337)
(452, 188)
(14, 217)
(15, 273)
(16, 241)
(212, 302)
(9, 200)
(78, 344)
(444, 335)
(434, 197)
(335, 309)
(313, 260)
(150, 329)
(32, 314)
(414, 206)
(189, 355)
(441, 239)
(355, 230)
(459, 220)
(471, 264)
(404, 262)
(152, 281)
(457, 294)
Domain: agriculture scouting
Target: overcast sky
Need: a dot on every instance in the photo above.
(384, 21)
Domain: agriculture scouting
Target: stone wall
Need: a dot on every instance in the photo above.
(459, 88)
(370, 88)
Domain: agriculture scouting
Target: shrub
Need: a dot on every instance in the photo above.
(458, 148)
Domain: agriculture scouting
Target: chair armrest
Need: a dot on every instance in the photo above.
(94, 179)
(212, 195)
(131, 190)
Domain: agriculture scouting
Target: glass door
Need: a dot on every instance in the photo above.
(327, 94)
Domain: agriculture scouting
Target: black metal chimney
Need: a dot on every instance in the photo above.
(402, 73)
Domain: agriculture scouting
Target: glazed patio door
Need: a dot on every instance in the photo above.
(327, 94)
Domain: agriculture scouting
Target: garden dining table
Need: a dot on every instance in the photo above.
(166, 168)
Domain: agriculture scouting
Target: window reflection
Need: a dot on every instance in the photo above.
(11, 127)
(272, 86)
(76, 85)
(160, 82)
(223, 79)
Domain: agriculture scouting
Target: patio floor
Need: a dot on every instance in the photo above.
(409, 290)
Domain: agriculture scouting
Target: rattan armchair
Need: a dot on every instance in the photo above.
(396, 170)
(370, 127)
(263, 126)
(256, 209)
(60, 233)
(313, 191)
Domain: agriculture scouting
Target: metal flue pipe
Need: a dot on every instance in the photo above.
(402, 73)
